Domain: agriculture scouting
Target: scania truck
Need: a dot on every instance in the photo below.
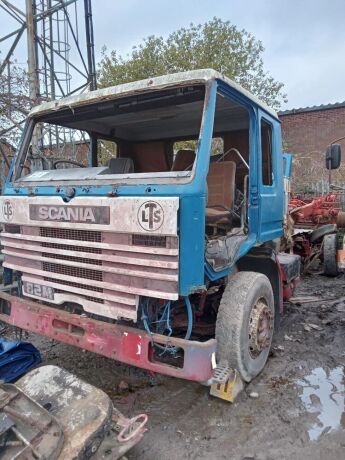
(142, 222)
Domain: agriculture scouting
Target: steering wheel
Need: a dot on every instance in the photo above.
(71, 162)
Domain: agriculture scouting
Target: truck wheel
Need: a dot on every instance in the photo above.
(322, 231)
(330, 246)
(244, 326)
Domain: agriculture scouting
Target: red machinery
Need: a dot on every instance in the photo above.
(314, 212)
(318, 220)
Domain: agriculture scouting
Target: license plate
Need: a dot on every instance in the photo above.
(38, 290)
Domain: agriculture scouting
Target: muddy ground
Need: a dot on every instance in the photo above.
(299, 413)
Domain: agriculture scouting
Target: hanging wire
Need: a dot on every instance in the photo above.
(163, 324)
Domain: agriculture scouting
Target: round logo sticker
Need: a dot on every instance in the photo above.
(7, 209)
(150, 216)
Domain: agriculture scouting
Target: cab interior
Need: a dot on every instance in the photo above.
(155, 135)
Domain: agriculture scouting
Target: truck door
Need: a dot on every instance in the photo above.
(270, 178)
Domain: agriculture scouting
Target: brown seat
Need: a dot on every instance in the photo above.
(184, 160)
(221, 192)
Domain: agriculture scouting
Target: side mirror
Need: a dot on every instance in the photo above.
(333, 156)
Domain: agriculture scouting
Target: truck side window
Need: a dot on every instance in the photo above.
(266, 153)
(105, 151)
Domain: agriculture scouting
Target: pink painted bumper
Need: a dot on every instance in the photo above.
(122, 343)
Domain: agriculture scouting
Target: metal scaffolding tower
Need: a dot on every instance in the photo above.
(59, 53)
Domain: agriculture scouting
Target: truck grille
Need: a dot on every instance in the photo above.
(76, 271)
(78, 285)
(72, 248)
(71, 234)
(104, 272)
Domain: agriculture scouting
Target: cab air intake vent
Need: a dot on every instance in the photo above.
(149, 240)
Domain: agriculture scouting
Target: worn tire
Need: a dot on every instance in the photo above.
(330, 246)
(322, 231)
(241, 294)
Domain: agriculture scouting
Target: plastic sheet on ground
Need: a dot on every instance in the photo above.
(17, 358)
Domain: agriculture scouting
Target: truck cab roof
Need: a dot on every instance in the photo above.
(150, 84)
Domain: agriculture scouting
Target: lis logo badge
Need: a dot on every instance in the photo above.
(7, 209)
(150, 216)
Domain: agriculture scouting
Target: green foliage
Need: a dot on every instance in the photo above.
(105, 151)
(216, 44)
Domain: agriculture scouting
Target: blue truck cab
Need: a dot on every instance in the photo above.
(154, 208)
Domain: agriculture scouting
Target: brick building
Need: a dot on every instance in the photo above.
(306, 133)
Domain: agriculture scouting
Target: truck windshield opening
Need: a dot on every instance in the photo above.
(153, 134)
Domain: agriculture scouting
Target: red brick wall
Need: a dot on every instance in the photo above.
(307, 135)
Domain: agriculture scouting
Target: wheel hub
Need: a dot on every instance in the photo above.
(260, 328)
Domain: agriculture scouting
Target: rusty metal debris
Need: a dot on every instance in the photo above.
(306, 299)
(310, 326)
(27, 430)
(51, 414)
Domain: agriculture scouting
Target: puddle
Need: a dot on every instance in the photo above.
(323, 393)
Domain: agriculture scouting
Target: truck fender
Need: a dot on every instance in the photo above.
(264, 260)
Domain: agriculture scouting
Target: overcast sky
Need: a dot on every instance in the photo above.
(304, 40)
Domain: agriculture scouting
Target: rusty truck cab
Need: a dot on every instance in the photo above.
(127, 210)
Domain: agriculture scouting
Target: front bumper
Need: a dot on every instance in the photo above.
(119, 342)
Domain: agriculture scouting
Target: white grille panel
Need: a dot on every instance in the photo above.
(102, 271)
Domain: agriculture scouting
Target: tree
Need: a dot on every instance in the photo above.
(216, 44)
(14, 102)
